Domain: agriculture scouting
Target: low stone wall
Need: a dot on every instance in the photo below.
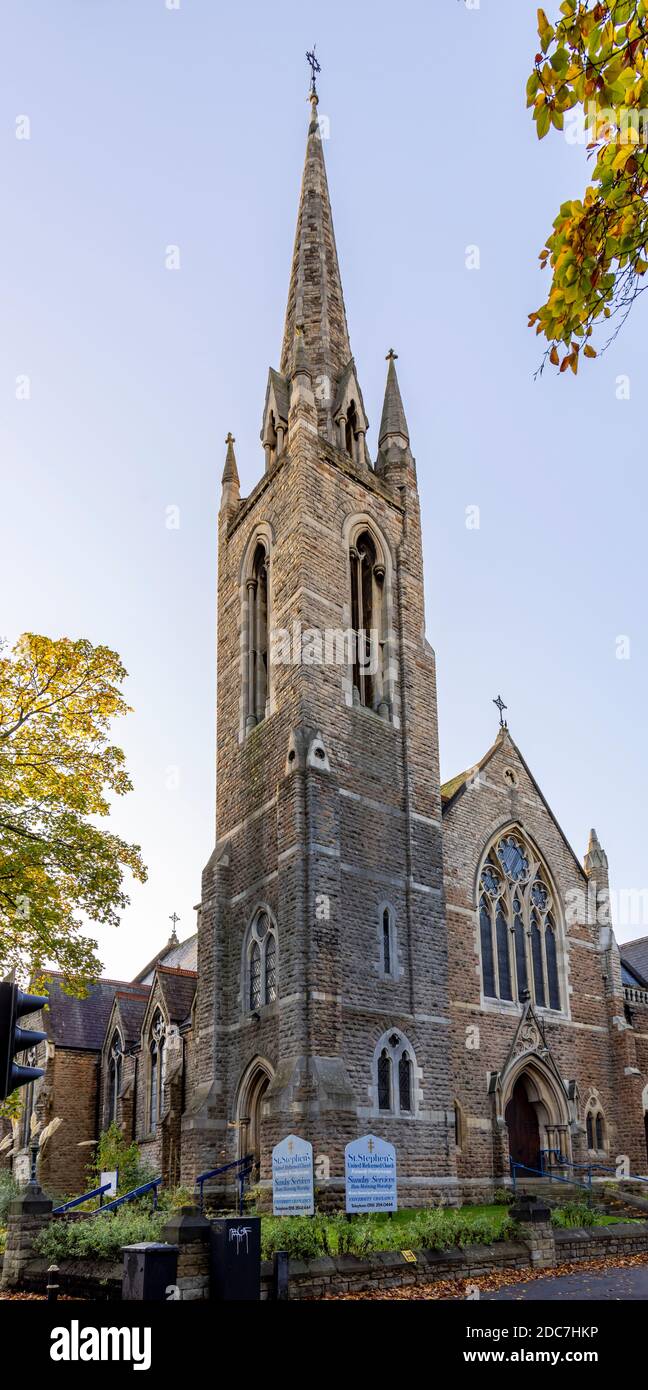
(601, 1242)
(389, 1269)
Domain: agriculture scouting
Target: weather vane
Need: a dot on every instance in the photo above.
(501, 707)
(314, 67)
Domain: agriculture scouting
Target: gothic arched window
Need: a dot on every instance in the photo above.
(156, 1069)
(595, 1126)
(261, 962)
(394, 1075)
(114, 1075)
(256, 661)
(368, 624)
(517, 926)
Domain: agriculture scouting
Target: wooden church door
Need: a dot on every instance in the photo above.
(522, 1121)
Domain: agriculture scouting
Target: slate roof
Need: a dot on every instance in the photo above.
(634, 955)
(80, 1023)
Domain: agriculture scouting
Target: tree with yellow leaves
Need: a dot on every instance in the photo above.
(58, 868)
(595, 57)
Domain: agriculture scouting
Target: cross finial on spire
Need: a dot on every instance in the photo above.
(174, 919)
(230, 438)
(501, 707)
(391, 356)
(314, 67)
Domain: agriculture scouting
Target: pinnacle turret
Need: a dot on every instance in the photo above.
(231, 494)
(393, 425)
(595, 857)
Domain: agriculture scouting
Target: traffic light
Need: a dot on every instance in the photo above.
(14, 1005)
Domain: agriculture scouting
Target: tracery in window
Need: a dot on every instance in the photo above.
(261, 962)
(517, 926)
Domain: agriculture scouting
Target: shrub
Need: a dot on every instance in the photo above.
(574, 1214)
(100, 1237)
(432, 1230)
(113, 1151)
(8, 1190)
(503, 1197)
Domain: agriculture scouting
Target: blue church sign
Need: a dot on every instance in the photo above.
(370, 1171)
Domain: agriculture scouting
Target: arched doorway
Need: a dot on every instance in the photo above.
(249, 1111)
(522, 1120)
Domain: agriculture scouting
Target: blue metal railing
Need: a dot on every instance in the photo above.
(542, 1173)
(78, 1201)
(561, 1162)
(130, 1197)
(244, 1168)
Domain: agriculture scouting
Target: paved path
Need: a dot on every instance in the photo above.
(616, 1284)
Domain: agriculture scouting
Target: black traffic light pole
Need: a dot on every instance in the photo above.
(13, 1039)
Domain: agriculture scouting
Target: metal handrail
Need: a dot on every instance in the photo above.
(78, 1201)
(564, 1162)
(543, 1173)
(130, 1197)
(244, 1167)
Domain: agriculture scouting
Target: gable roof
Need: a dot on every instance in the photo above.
(452, 790)
(80, 1023)
(634, 955)
(178, 988)
(132, 1008)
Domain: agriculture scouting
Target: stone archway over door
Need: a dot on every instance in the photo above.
(522, 1121)
(250, 1106)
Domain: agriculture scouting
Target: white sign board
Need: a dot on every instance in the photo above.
(110, 1177)
(292, 1177)
(370, 1172)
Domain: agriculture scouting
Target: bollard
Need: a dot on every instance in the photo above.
(52, 1287)
(281, 1276)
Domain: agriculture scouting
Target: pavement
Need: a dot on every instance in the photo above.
(617, 1285)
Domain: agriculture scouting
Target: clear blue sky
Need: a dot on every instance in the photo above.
(152, 127)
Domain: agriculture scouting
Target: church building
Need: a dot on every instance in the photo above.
(375, 952)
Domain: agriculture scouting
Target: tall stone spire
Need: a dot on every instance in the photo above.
(393, 425)
(315, 299)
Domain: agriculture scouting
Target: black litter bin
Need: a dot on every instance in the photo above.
(236, 1259)
(150, 1270)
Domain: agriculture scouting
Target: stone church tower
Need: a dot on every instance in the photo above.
(322, 1003)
